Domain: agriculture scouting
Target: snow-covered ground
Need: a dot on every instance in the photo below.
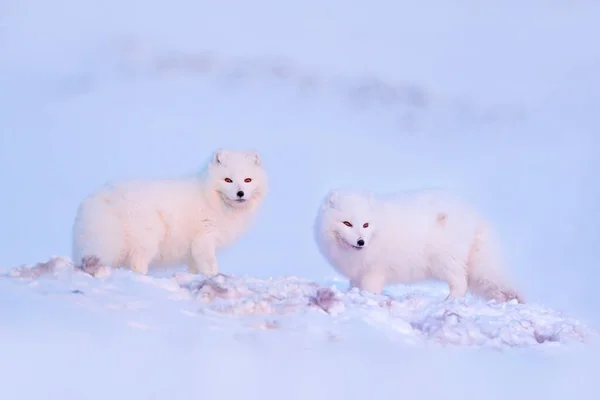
(495, 100)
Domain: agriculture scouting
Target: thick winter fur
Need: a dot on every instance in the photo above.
(410, 238)
(164, 223)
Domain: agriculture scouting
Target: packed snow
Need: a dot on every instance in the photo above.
(408, 315)
(495, 100)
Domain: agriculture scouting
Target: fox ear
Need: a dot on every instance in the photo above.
(219, 156)
(255, 156)
(333, 198)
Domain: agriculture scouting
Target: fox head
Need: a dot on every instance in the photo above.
(348, 219)
(238, 177)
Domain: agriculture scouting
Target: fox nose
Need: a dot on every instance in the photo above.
(240, 194)
(360, 242)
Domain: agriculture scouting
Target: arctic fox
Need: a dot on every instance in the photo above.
(409, 238)
(164, 223)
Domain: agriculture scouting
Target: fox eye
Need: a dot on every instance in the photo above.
(228, 180)
(347, 224)
(248, 180)
(366, 225)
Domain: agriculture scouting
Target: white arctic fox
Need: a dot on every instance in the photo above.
(171, 222)
(409, 238)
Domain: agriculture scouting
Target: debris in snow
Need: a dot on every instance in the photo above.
(57, 266)
(326, 299)
(51, 267)
(541, 337)
(93, 266)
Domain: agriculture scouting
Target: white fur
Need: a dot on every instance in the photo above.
(164, 223)
(410, 238)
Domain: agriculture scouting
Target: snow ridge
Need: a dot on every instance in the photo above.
(413, 315)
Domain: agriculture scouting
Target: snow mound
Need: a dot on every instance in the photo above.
(415, 316)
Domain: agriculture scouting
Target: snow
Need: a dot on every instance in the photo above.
(120, 334)
(495, 100)
(412, 316)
